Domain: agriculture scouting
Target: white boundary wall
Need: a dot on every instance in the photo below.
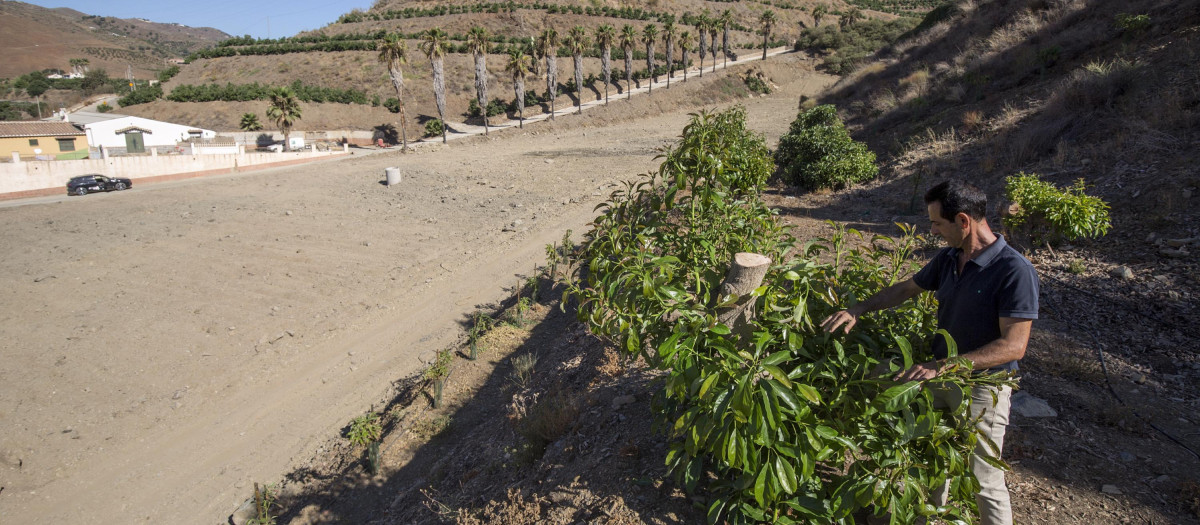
(45, 174)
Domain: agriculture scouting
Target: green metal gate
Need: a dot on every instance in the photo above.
(134, 142)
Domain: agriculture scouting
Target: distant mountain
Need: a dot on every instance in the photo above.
(36, 38)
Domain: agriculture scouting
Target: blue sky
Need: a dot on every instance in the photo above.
(257, 18)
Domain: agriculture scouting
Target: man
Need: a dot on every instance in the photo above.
(987, 300)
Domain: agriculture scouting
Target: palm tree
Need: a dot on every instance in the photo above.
(605, 34)
(249, 122)
(393, 51)
(702, 29)
(547, 45)
(284, 109)
(627, 41)
(713, 25)
(433, 44)
(477, 42)
(649, 35)
(519, 65)
(668, 31)
(818, 13)
(726, 21)
(767, 20)
(685, 44)
(577, 40)
(851, 16)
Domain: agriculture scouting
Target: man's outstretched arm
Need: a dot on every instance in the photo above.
(1014, 338)
(884, 299)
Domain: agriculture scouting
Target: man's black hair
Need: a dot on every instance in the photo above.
(957, 197)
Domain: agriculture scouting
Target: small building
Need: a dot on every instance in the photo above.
(122, 134)
(40, 140)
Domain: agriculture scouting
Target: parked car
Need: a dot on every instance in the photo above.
(82, 184)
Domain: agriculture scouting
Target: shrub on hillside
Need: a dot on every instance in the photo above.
(141, 96)
(1046, 214)
(495, 107)
(392, 104)
(168, 73)
(817, 152)
(434, 127)
(847, 47)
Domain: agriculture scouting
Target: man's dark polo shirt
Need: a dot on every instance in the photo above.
(999, 282)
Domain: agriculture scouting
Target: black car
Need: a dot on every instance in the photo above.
(82, 184)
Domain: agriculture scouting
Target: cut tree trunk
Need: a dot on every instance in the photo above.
(745, 274)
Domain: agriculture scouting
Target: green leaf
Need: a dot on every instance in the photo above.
(905, 350)
(631, 342)
(760, 485)
(951, 346)
(716, 509)
(719, 329)
(777, 357)
(826, 432)
(898, 396)
(669, 347)
(808, 392)
(785, 394)
(778, 374)
(786, 475)
(707, 385)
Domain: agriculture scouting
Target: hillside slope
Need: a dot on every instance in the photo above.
(1060, 88)
(518, 22)
(37, 38)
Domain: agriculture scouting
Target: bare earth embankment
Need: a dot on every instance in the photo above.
(163, 348)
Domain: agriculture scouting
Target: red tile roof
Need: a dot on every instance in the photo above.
(38, 129)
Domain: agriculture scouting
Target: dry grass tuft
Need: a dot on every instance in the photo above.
(1096, 86)
(549, 417)
(915, 84)
(971, 121)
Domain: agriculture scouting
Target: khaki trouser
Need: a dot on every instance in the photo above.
(994, 505)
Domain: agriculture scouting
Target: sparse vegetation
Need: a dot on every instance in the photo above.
(481, 323)
(818, 153)
(264, 499)
(437, 373)
(522, 372)
(1133, 24)
(551, 416)
(846, 48)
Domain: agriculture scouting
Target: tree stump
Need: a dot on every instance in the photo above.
(745, 273)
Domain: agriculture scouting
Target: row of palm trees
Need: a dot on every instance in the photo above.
(393, 52)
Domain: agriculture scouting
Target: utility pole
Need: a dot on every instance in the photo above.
(129, 76)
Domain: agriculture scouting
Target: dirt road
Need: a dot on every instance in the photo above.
(162, 349)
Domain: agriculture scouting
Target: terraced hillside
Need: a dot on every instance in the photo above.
(342, 55)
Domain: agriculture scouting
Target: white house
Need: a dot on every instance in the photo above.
(126, 134)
